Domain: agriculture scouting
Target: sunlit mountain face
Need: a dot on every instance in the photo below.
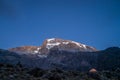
(53, 44)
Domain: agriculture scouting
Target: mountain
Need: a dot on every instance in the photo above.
(63, 54)
(54, 44)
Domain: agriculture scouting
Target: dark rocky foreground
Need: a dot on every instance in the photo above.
(100, 65)
(18, 72)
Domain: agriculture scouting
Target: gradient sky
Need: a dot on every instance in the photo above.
(30, 22)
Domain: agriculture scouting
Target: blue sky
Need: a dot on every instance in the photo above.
(30, 22)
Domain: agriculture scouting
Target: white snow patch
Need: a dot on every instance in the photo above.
(84, 46)
(36, 51)
(78, 44)
(51, 45)
(52, 39)
(65, 43)
(38, 48)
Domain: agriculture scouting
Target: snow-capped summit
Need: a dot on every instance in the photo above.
(66, 45)
(54, 44)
